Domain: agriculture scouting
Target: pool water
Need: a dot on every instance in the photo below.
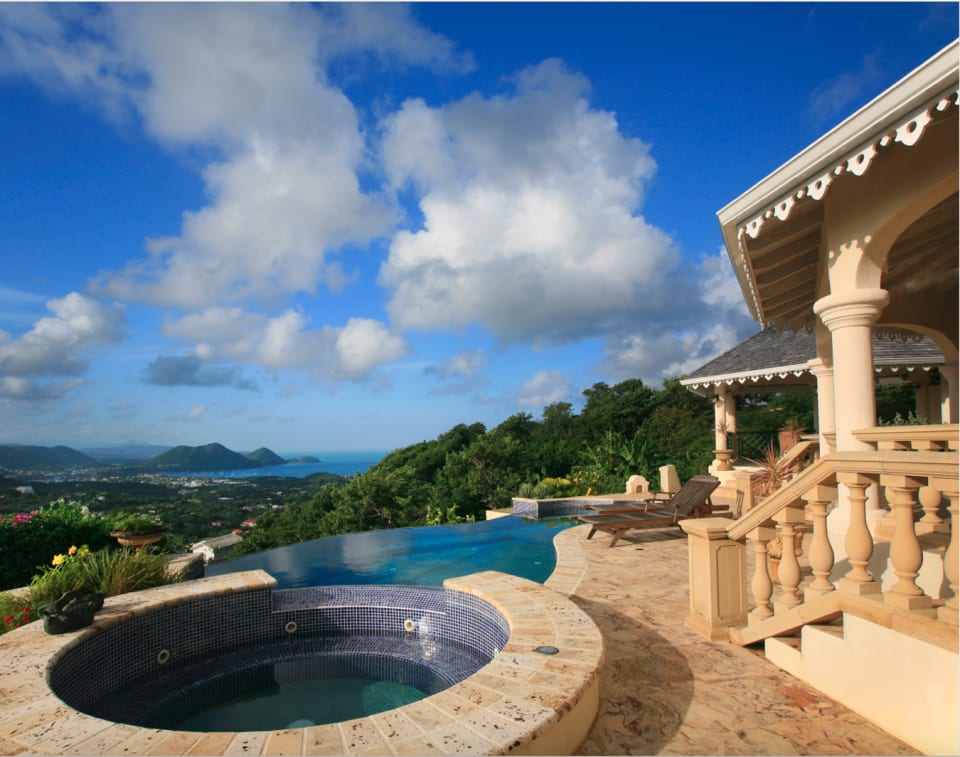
(424, 556)
(301, 704)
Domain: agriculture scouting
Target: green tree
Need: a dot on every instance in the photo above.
(622, 408)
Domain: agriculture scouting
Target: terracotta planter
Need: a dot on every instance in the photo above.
(723, 457)
(136, 539)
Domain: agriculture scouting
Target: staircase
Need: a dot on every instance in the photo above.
(860, 617)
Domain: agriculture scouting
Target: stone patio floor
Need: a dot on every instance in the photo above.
(667, 690)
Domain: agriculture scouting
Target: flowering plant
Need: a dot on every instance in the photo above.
(74, 553)
(16, 612)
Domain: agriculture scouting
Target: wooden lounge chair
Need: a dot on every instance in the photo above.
(692, 501)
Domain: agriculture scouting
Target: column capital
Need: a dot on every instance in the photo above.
(859, 307)
(820, 367)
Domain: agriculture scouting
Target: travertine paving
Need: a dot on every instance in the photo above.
(666, 690)
(663, 689)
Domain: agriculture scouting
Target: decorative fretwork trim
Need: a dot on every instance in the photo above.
(907, 133)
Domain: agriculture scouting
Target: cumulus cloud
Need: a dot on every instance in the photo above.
(57, 345)
(54, 346)
(529, 202)
(532, 228)
(350, 352)
(243, 87)
(190, 370)
(708, 318)
(544, 388)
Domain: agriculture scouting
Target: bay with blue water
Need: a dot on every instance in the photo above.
(341, 463)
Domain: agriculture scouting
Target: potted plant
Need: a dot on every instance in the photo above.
(723, 456)
(136, 530)
(790, 434)
(775, 471)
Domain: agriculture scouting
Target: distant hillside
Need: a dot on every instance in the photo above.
(30, 457)
(209, 457)
(264, 456)
(125, 453)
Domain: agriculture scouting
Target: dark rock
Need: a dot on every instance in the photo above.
(74, 610)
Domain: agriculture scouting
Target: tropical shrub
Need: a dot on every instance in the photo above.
(28, 539)
(552, 488)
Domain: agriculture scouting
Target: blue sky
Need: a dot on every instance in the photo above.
(335, 227)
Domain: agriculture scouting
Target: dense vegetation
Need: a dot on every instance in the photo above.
(625, 429)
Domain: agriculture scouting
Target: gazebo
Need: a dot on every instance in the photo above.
(776, 360)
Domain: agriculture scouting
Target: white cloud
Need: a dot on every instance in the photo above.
(56, 344)
(350, 352)
(544, 388)
(245, 86)
(364, 344)
(707, 317)
(529, 206)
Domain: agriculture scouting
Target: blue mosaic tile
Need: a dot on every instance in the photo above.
(170, 660)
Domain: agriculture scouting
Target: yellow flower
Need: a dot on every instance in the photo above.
(72, 551)
(58, 559)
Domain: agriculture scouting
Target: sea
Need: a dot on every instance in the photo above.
(341, 463)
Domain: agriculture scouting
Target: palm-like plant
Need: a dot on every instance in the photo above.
(775, 471)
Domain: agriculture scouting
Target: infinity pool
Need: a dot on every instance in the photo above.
(424, 556)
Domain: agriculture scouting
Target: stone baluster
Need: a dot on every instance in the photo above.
(761, 586)
(930, 501)
(858, 542)
(789, 578)
(951, 560)
(905, 553)
(821, 553)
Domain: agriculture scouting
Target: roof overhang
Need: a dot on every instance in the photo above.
(777, 270)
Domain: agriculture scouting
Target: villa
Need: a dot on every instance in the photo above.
(847, 256)
(855, 241)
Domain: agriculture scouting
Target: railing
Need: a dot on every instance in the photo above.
(751, 445)
(799, 457)
(913, 463)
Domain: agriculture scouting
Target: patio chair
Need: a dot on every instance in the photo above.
(692, 501)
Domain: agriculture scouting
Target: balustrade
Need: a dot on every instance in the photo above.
(916, 465)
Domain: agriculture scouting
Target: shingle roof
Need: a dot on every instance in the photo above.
(781, 352)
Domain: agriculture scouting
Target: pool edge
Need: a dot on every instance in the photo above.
(521, 702)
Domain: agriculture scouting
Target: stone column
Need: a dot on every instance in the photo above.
(725, 421)
(826, 408)
(951, 560)
(850, 317)
(949, 410)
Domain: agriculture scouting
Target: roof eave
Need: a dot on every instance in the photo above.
(929, 80)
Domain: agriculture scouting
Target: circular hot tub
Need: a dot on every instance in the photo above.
(266, 659)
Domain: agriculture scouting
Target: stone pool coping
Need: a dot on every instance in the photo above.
(521, 702)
